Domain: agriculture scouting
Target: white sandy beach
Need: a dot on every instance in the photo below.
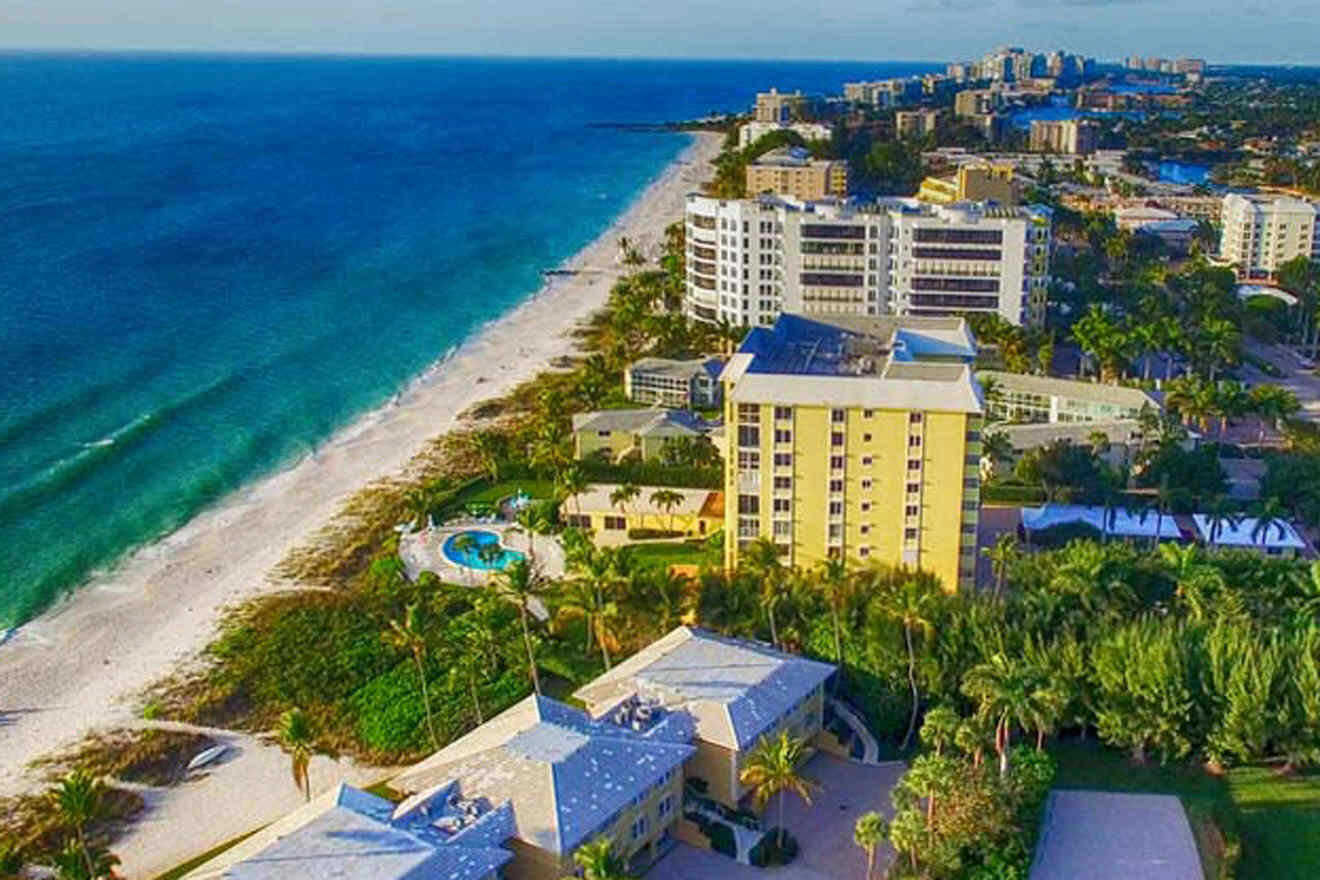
(82, 665)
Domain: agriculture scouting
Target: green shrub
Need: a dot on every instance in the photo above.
(644, 534)
(721, 838)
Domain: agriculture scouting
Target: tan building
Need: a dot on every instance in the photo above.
(1262, 232)
(974, 182)
(777, 106)
(855, 439)
(1067, 137)
(696, 513)
(976, 102)
(790, 171)
(570, 779)
(917, 123)
(736, 691)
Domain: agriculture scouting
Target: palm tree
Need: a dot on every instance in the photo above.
(599, 861)
(298, 737)
(1001, 554)
(939, 728)
(834, 580)
(1221, 342)
(409, 634)
(520, 582)
(869, 832)
(912, 606)
(623, 496)
(1274, 405)
(1004, 690)
(996, 448)
(970, 738)
(418, 501)
(771, 770)
(1221, 511)
(79, 800)
(1231, 401)
(1270, 513)
(667, 500)
(762, 558)
(573, 482)
(73, 862)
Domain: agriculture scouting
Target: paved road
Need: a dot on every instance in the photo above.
(1100, 835)
(1305, 385)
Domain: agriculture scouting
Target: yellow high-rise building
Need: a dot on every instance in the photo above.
(856, 438)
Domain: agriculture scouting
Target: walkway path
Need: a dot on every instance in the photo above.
(870, 747)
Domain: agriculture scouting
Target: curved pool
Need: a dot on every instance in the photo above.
(473, 556)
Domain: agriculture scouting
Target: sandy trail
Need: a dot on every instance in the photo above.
(82, 665)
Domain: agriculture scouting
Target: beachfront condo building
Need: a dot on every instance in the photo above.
(883, 92)
(790, 171)
(750, 260)
(777, 106)
(751, 132)
(1066, 137)
(1262, 232)
(855, 438)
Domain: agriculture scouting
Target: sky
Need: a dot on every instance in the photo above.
(1222, 31)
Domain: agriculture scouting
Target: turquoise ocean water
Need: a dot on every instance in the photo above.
(209, 264)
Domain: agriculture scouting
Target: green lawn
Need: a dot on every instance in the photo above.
(1278, 817)
(672, 553)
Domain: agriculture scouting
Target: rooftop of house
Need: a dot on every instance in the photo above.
(679, 369)
(565, 775)
(596, 498)
(347, 832)
(735, 689)
(1247, 532)
(650, 421)
(789, 157)
(1120, 522)
(1072, 389)
(911, 363)
(1039, 434)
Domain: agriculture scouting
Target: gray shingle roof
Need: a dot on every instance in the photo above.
(652, 420)
(352, 834)
(567, 776)
(735, 689)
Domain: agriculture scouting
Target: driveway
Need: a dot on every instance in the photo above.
(1101, 835)
(1305, 385)
(824, 830)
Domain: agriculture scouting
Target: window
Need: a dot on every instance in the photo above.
(836, 485)
(863, 551)
(602, 433)
(866, 507)
(783, 505)
(836, 532)
(909, 534)
(666, 806)
(615, 523)
(836, 462)
(914, 464)
(783, 435)
(837, 416)
(867, 461)
(783, 413)
(865, 530)
(783, 529)
(749, 413)
(914, 440)
(783, 482)
(749, 504)
(867, 484)
(912, 510)
(749, 461)
(639, 828)
(578, 522)
(749, 435)
(783, 459)
(836, 508)
(913, 488)
(969, 529)
(868, 413)
(836, 440)
(866, 438)
(914, 418)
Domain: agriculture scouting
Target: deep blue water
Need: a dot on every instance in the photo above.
(211, 263)
(1173, 171)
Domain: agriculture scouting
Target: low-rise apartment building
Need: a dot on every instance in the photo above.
(918, 123)
(570, 778)
(1028, 399)
(620, 433)
(696, 513)
(1067, 137)
(736, 691)
(997, 183)
(790, 171)
(749, 260)
(751, 132)
(682, 384)
(1262, 232)
(855, 439)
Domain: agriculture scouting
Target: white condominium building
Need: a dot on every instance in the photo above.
(750, 260)
(751, 132)
(1262, 232)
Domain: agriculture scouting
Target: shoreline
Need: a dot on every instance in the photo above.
(82, 663)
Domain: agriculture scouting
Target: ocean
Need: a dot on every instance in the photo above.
(208, 264)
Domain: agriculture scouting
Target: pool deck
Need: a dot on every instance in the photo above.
(424, 551)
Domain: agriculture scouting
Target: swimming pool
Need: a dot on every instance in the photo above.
(472, 557)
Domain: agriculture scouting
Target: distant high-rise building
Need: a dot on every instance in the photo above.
(1070, 137)
(777, 106)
